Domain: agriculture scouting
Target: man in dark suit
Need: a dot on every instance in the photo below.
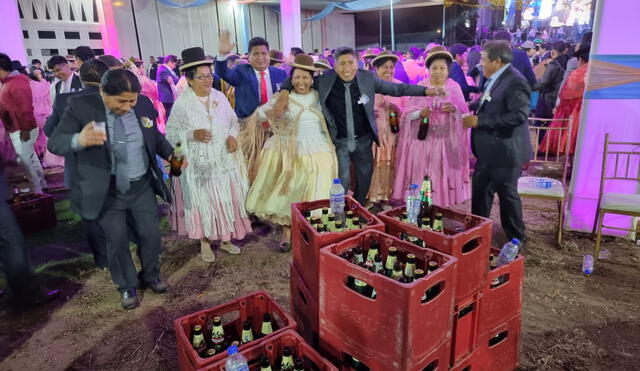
(91, 73)
(460, 52)
(254, 82)
(68, 81)
(520, 60)
(166, 79)
(500, 138)
(115, 140)
(347, 95)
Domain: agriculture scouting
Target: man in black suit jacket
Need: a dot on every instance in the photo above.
(354, 130)
(500, 138)
(115, 140)
(68, 81)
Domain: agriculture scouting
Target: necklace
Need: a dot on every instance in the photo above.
(207, 106)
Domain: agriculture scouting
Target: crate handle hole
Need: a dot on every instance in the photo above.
(468, 368)
(360, 287)
(466, 310)
(433, 366)
(500, 280)
(471, 246)
(498, 338)
(355, 363)
(304, 236)
(432, 292)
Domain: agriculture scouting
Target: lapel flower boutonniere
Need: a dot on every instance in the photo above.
(364, 99)
(147, 123)
(486, 97)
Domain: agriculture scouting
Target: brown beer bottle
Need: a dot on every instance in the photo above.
(176, 160)
(217, 335)
(437, 223)
(197, 339)
(391, 261)
(424, 128)
(394, 123)
(349, 223)
(396, 274)
(338, 226)
(426, 202)
(410, 266)
(247, 332)
(264, 364)
(267, 327)
(287, 360)
(298, 365)
(210, 353)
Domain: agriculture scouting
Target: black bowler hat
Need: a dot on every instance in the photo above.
(194, 57)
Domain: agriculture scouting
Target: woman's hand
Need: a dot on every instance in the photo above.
(425, 113)
(448, 107)
(232, 144)
(202, 135)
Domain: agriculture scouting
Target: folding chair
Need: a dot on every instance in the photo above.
(617, 203)
(556, 161)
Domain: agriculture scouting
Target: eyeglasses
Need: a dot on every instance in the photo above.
(204, 77)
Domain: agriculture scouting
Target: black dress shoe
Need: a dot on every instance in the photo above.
(129, 299)
(158, 286)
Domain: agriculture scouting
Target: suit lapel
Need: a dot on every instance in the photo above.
(494, 87)
(274, 86)
(255, 84)
(145, 133)
(326, 86)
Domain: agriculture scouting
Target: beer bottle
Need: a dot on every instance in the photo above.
(358, 255)
(394, 125)
(210, 353)
(373, 251)
(16, 196)
(410, 266)
(426, 202)
(264, 364)
(347, 255)
(391, 261)
(405, 219)
(397, 271)
(493, 263)
(338, 226)
(424, 128)
(331, 223)
(247, 332)
(298, 365)
(432, 292)
(418, 274)
(432, 266)
(437, 223)
(405, 279)
(349, 222)
(356, 223)
(377, 264)
(325, 215)
(267, 328)
(287, 360)
(176, 160)
(361, 287)
(217, 335)
(425, 224)
(197, 339)
(414, 240)
(320, 228)
(307, 215)
(315, 221)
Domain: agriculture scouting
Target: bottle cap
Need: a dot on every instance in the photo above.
(232, 350)
(336, 181)
(515, 241)
(413, 187)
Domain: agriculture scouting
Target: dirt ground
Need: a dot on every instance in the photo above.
(570, 322)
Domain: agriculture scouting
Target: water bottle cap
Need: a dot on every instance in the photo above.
(413, 187)
(232, 350)
(336, 181)
(515, 241)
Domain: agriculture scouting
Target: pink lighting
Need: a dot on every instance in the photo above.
(12, 42)
(109, 29)
(612, 36)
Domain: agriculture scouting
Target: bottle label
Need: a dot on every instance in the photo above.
(266, 328)
(217, 335)
(247, 336)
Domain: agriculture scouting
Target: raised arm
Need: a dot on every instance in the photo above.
(225, 46)
(402, 90)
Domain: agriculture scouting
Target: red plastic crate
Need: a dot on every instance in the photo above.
(466, 317)
(395, 329)
(307, 242)
(304, 309)
(272, 348)
(36, 213)
(470, 363)
(504, 300)
(437, 360)
(500, 347)
(250, 307)
(470, 247)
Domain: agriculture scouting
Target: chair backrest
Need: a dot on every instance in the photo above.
(626, 162)
(557, 157)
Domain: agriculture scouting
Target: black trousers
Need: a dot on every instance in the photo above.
(167, 109)
(136, 209)
(14, 257)
(504, 181)
(362, 157)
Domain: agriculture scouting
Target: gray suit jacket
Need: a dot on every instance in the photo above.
(91, 180)
(502, 137)
(369, 86)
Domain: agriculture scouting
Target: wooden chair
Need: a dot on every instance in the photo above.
(557, 160)
(617, 203)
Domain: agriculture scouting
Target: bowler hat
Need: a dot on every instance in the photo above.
(193, 57)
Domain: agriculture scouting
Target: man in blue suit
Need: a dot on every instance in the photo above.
(166, 79)
(520, 60)
(254, 82)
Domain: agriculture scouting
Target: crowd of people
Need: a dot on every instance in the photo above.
(258, 131)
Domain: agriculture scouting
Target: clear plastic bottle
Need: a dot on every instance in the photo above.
(235, 360)
(336, 199)
(587, 264)
(509, 252)
(413, 204)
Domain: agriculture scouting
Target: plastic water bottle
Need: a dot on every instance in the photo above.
(542, 183)
(336, 199)
(508, 252)
(587, 264)
(413, 204)
(235, 360)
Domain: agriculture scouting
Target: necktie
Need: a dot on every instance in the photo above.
(120, 150)
(351, 138)
(263, 95)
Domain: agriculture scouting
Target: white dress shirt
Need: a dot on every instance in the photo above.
(268, 79)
